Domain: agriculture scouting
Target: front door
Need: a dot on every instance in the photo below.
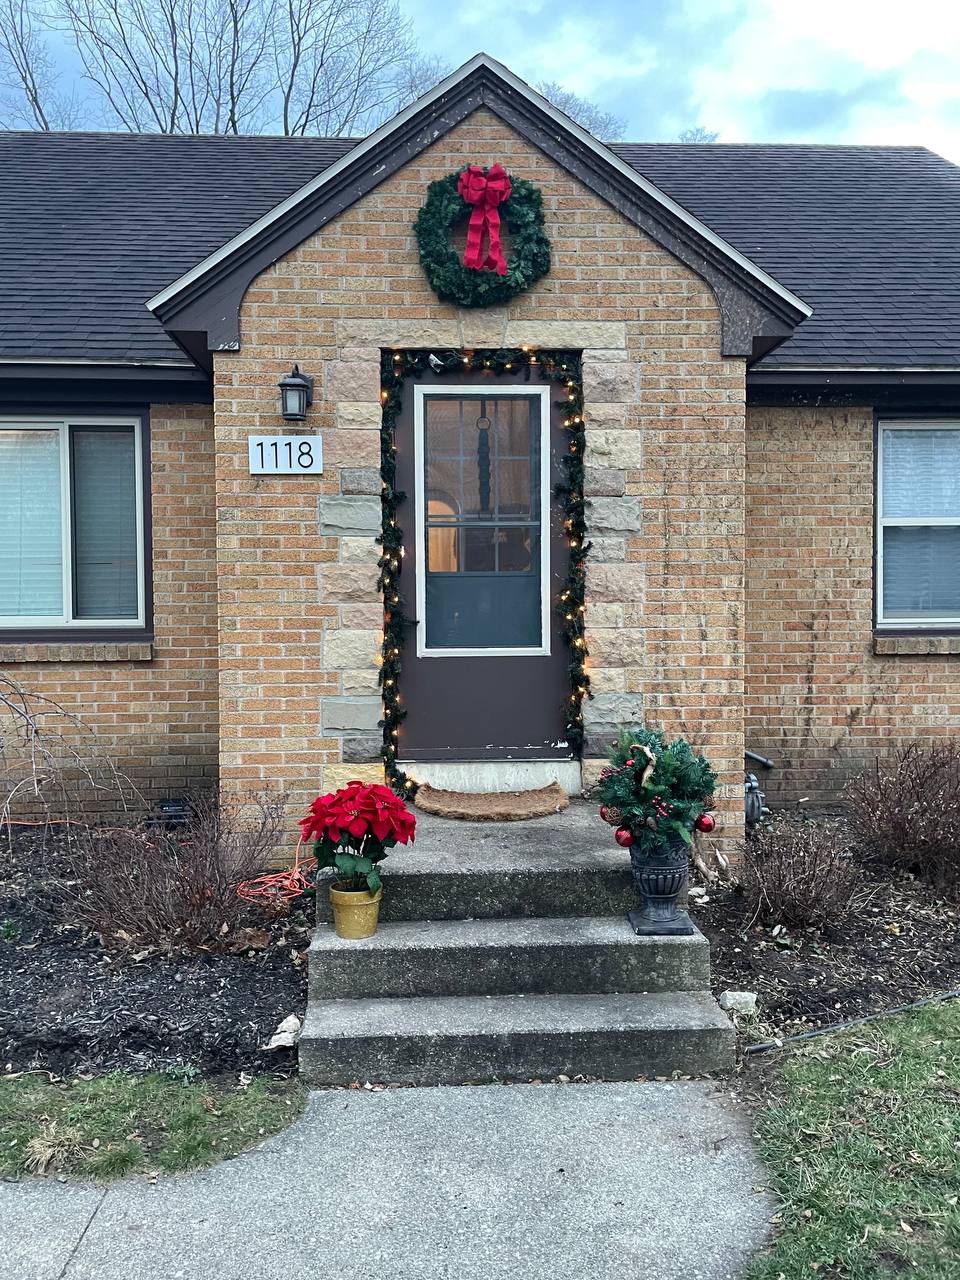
(485, 674)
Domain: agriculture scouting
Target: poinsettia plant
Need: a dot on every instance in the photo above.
(655, 792)
(353, 829)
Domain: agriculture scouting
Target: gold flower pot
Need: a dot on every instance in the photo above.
(355, 911)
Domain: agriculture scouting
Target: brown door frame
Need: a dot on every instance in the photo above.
(498, 707)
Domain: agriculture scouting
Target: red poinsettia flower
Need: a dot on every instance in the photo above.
(358, 811)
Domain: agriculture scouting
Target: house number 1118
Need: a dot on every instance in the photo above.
(285, 455)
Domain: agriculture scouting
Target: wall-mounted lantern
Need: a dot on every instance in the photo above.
(296, 394)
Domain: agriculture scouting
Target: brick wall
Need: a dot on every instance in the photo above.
(299, 615)
(154, 708)
(820, 700)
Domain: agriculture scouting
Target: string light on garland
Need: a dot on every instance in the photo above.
(560, 367)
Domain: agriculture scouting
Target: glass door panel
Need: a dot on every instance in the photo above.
(483, 488)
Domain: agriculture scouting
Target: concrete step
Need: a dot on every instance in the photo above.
(504, 957)
(564, 865)
(460, 1039)
(503, 883)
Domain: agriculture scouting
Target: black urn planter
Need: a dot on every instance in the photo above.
(659, 877)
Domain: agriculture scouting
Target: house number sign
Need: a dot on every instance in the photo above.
(285, 455)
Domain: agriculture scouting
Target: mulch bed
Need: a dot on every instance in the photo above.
(67, 1004)
(904, 947)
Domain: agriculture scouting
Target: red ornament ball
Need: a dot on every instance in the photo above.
(623, 837)
(628, 764)
(706, 822)
(604, 813)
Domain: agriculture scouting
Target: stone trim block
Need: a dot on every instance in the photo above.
(605, 353)
(359, 550)
(391, 331)
(620, 583)
(350, 714)
(615, 448)
(360, 413)
(360, 480)
(575, 334)
(350, 649)
(353, 380)
(603, 482)
(365, 750)
(341, 515)
(338, 775)
(486, 328)
(363, 680)
(611, 710)
(611, 381)
(346, 583)
(615, 515)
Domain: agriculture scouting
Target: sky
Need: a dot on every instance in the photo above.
(864, 71)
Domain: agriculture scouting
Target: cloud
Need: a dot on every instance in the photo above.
(871, 71)
(836, 71)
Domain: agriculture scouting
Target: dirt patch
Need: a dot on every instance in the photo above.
(904, 946)
(68, 1004)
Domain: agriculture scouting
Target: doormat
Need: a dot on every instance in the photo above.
(492, 806)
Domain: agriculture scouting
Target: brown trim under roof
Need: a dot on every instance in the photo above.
(204, 313)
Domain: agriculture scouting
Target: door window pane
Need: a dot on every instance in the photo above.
(483, 544)
(31, 531)
(104, 522)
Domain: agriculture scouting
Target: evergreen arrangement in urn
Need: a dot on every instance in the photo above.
(654, 792)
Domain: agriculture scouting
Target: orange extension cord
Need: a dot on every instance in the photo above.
(277, 885)
(282, 885)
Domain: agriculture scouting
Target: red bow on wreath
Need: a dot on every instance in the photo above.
(484, 191)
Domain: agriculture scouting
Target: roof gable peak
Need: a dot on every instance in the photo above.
(201, 308)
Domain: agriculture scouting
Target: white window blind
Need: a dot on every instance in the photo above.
(31, 533)
(918, 519)
(921, 473)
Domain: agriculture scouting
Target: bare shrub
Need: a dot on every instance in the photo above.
(905, 811)
(800, 872)
(173, 888)
(51, 767)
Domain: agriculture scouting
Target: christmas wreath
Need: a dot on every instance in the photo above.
(482, 279)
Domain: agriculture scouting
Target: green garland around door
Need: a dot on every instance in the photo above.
(485, 276)
(563, 369)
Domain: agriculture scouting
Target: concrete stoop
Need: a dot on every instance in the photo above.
(505, 953)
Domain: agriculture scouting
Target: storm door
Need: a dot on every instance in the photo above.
(484, 676)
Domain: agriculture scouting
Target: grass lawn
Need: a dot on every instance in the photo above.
(863, 1141)
(116, 1124)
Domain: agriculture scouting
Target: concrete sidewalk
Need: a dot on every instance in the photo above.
(546, 1182)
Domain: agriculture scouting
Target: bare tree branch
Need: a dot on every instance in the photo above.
(30, 92)
(602, 124)
(231, 66)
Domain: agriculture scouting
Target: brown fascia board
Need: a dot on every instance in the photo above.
(755, 318)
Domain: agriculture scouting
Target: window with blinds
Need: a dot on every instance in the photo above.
(918, 524)
(71, 524)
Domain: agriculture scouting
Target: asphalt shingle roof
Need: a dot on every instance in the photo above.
(92, 225)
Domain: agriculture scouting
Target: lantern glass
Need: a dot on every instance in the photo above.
(294, 403)
(296, 395)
